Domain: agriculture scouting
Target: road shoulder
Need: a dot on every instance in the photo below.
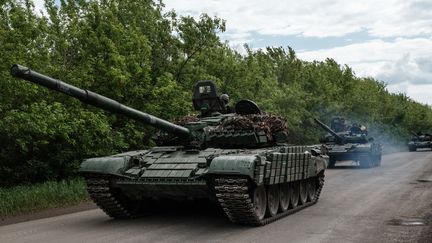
(47, 213)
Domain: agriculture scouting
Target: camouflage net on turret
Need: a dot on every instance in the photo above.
(181, 121)
(267, 123)
(257, 122)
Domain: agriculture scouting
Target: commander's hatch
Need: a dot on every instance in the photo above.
(206, 99)
(247, 107)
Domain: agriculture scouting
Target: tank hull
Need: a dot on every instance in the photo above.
(340, 156)
(413, 146)
(139, 177)
(367, 155)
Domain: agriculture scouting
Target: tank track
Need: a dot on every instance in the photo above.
(234, 198)
(107, 199)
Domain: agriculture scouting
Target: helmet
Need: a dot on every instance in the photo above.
(224, 98)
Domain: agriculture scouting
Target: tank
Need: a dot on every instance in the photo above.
(350, 143)
(420, 140)
(237, 157)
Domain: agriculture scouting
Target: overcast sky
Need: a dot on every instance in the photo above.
(390, 40)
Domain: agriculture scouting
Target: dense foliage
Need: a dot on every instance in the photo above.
(140, 55)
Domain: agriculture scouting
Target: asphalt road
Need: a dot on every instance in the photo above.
(357, 205)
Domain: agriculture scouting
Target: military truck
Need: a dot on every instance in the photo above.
(420, 140)
(241, 160)
(351, 143)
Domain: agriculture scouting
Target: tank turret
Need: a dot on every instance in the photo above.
(339, 139)
(216, 126)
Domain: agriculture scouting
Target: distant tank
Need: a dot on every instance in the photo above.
(350, 143)
(241, 159)
(420, 140)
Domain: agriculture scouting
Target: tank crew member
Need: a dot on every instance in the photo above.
(225, 100)
(355, 129)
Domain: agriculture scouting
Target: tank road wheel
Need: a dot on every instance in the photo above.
(412, 148)
(260, 202)
(284, 196)
(332, 162)
(245, 203)
(366, 161)
(295, 194)
(311, 184)
(303, 192)
(273, 200)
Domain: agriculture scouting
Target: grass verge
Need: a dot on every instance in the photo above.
(28, 199)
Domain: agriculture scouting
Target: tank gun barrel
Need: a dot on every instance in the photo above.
(97, 100)
(328, 129)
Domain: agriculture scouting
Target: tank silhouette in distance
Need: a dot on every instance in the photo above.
(419, 141)
(345, 142)
(240, 160)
